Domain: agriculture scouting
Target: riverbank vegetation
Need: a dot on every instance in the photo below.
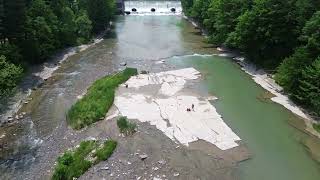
(126, 127)
(283, 37)
(33, 30)
(316, 127)
(99, 98)
(72, 164)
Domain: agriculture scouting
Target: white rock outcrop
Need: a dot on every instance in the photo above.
(167, 109)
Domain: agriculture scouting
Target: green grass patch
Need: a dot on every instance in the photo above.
(126, 127)
(316, 127)
(74, 163)
(99, 98)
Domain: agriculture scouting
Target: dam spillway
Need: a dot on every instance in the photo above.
(145, 7)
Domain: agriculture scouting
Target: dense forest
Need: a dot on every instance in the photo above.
(282, 36)
(33, 30)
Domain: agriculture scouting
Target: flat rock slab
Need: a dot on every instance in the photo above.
(167, 109)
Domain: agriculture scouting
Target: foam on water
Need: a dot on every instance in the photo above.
(162, 7)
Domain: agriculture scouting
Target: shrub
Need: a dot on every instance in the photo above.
(106, 151)
(99, 98)
(72, 164)
(125, 126)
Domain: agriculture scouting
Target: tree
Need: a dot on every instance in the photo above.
(10, 75)
(199, 10)
(14, 20)
(83, 27)
(187, 6)
(289, 72)
(67, 27)
(11, 52)
(225, 15)
(299, 73)
(2, 38)
(267, 33)
(41, 32)
(309, 88)
(100, 13)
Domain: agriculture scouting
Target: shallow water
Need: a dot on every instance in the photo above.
(143, 41)
(278, 152)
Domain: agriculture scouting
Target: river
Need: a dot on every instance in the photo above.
(279, 150)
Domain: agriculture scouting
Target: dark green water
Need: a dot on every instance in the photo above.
(262, 125)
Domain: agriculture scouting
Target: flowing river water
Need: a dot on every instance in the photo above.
(273, 135)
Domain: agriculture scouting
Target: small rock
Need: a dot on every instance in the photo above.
(176, 174)
(162, 162)
(23, 113)
(123, 64)
(105, 168)
(26, 102)
(17, 117)
(129, 163)
(111, 174)
(143, 156)
(177, 147)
